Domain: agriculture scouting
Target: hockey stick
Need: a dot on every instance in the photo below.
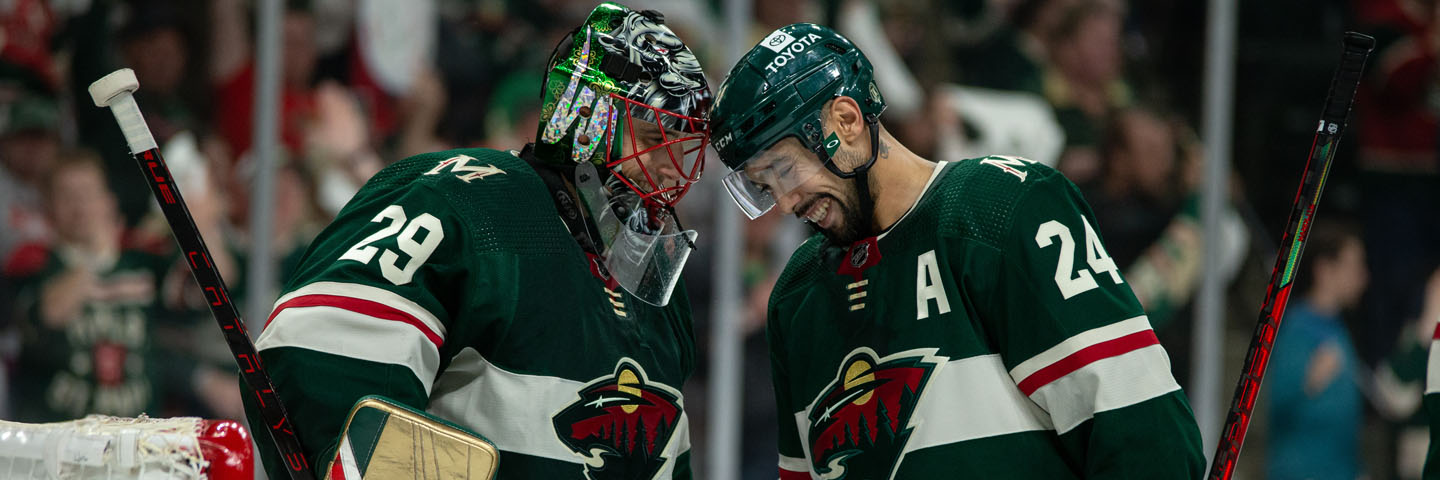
(1292, 244)
(114, 91)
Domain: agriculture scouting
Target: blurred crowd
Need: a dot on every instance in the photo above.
(99, 315)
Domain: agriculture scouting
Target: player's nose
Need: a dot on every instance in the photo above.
(664, 166)
(787, 202)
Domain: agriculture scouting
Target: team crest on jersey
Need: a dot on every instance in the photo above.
(463, 170)
(859, 424)
(621, 424)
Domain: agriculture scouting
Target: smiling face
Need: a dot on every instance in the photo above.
(801, 186)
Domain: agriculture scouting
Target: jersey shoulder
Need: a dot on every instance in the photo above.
(800, 270)
(470, 171)
(494, 195)
(979, 198)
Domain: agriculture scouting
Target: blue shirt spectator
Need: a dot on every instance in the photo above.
(1315, 398)
(1313, 431)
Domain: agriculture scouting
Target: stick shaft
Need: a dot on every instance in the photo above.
(1292, 243)
(197, 256)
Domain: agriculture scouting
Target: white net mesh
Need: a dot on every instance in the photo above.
(103, 447)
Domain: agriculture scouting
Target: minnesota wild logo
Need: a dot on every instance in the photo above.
(860, 423)
(621, 424)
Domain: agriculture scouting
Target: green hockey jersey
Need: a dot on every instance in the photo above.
(450, 284)
(986, 334)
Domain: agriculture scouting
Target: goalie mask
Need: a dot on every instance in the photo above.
(625, 101)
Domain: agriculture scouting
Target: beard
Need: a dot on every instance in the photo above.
(856, 221)
(857, 214)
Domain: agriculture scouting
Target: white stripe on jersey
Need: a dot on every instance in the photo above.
(965, 399)
(374, 294)
(347, 460)
(1076, 343)
(794, 464)
(509, 407)
(993, 405)
(1106, 384)
(349, 334)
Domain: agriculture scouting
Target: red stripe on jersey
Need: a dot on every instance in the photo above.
(360, 306)
(1086, 356)
(337, 471)
(793, 475)
(1436, 336)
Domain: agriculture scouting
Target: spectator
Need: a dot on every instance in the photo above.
(153, 44)
(1316, 410)
(28, 145)
(1397, 125)
(232, 71)
(1086, 83)
(84, 343)
(1141, 189)
(1015, 56)
(89, 305)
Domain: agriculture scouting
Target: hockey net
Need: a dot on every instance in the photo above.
(113, 448)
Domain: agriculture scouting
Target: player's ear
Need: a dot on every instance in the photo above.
(847, 121)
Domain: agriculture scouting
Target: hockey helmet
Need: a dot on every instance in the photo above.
(777, 91)
(624, 72)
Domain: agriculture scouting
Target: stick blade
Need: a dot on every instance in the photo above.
(105, 89)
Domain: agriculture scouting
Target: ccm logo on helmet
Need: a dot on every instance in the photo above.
(722, 142)
(786, 53)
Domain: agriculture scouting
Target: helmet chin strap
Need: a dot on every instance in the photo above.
(861, 174)
(872, 122)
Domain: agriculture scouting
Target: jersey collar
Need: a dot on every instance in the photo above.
(934, 174)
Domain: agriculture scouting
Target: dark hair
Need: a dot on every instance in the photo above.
(1326, 238)
(149, 17)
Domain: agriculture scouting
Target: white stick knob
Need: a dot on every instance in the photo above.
(114, 91)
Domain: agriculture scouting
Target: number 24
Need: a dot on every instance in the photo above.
(1074, 282)
(419, 251)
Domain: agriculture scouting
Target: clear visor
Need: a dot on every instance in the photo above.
(645, 251)
(770, 175)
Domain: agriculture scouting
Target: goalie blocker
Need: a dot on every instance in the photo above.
(384, 439)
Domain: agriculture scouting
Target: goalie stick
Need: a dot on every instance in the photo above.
(114, 91)
(1292, 243)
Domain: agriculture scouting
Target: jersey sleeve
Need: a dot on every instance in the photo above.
(1074, 338)
(368, 312)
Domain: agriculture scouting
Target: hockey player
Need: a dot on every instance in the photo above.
(955, 320)
(526, 296)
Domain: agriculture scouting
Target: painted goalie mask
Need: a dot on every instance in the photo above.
(625, 102)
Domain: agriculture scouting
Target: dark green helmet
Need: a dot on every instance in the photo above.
(778, 89)
(623, 65)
